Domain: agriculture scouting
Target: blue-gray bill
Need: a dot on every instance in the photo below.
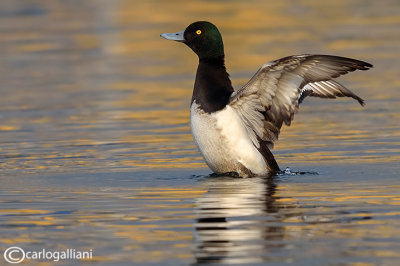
(176, 36)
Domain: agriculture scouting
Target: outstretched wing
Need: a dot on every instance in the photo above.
(273, 94)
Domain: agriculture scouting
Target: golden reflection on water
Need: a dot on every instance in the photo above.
(224, 220)
(103, 75)
(93, 88)
(292, 215)
(145, 218)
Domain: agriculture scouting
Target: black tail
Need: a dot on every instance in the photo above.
(269, 157)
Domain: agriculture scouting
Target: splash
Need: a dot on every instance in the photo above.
(288, 171)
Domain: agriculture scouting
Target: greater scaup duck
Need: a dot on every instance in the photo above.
(235, 130)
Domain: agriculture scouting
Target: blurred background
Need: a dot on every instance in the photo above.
(96, 150)
(91, 85)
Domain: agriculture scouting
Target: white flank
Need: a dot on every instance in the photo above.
(224, 142)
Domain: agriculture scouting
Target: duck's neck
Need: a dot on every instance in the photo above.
(212, 87)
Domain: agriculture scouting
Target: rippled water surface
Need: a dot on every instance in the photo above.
(96, 151)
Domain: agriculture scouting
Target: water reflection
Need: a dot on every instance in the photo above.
(185, 220)
(286, 219)
(237, 221)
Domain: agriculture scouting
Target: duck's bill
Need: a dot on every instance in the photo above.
(177, 36)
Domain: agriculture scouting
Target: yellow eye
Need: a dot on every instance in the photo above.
(198, 32)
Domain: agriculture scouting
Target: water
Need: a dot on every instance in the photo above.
(96, 151)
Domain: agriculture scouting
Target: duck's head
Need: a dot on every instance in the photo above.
(202, 37)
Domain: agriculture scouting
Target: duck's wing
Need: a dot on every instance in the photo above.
(273, 94)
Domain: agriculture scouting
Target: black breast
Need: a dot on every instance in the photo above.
(212, 88)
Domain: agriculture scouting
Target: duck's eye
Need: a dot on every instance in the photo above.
(198, 32)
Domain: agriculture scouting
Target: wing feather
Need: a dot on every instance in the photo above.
(273, 94)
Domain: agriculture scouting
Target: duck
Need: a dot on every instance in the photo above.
(236, 130)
